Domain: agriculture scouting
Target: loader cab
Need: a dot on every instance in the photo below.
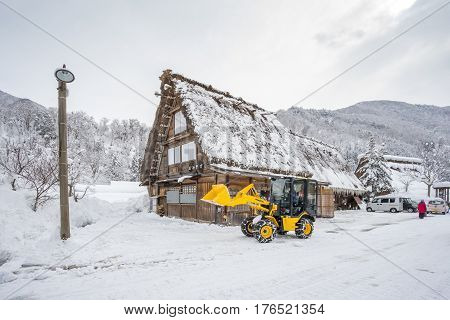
(294, 196)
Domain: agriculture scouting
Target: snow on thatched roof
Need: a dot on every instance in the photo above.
(240, 136)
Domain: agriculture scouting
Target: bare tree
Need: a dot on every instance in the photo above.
(31, 160)
(16, 158)
(42, 177)
(80, 195)
(406, 179)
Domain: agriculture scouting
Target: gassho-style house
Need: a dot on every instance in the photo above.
(202, 136)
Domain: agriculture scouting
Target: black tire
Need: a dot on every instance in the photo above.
(264, 231)
(410, 210)
(393, 210)
(247, 226)
(305, 228)
(369, 209)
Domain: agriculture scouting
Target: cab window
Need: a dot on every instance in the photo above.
(384, 200)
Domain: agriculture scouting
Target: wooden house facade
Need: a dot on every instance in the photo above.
(202, 136)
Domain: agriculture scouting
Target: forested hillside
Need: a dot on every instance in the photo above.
(400, 126)
(98, 151)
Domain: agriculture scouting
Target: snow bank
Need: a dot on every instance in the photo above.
(27, 236)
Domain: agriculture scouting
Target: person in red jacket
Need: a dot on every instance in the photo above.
(422, 208)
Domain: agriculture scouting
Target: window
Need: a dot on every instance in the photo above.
(188, 194)
(299, 194)
(391, 200)
(177, 154)
(312, 200)
(188, 151)
(180, 122)
(173, 195)
(375, 200)
(277, 189)
(384, 200)
(183, 153)
(174, 155)
(189, 189)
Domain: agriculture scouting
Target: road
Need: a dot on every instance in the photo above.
(356, 255)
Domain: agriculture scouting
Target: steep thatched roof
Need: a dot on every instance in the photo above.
(240, 136)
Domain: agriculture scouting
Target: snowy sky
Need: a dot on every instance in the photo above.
(272, 53)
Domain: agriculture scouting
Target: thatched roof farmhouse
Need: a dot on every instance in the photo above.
(201, 134)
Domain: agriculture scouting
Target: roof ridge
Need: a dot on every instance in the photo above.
(212, 89)
(228, 95)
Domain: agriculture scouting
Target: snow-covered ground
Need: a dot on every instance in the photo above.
(356, 255)
(116, 191)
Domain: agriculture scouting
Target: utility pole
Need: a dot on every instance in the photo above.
(63, 76)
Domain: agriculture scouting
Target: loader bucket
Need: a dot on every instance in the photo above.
(218, 195)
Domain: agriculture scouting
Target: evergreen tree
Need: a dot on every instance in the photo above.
(373, 172)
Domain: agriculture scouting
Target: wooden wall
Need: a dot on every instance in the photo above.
(204, 212)
(325, 207)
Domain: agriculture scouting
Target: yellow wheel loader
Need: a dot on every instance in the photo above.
(291, 207)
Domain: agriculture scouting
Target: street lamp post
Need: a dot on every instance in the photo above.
(63, 76)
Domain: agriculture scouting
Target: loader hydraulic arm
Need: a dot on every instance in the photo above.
(220, 196)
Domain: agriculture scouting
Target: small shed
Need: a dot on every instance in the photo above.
(203, 136)
(442, 190)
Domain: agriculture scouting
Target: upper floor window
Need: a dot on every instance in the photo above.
(180, 122)
(185, 152)
(174, 155)
(188, 151)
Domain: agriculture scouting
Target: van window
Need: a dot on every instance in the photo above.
(384, 200)
(391, 200)
(375, 200)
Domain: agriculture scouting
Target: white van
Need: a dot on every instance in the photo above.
(386, 203)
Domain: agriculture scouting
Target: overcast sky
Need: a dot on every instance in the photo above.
(272, 53)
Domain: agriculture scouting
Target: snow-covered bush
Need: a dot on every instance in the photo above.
(29, 159)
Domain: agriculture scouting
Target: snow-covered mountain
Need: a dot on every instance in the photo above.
(25, 113)
(400, 126)
(6, 99)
